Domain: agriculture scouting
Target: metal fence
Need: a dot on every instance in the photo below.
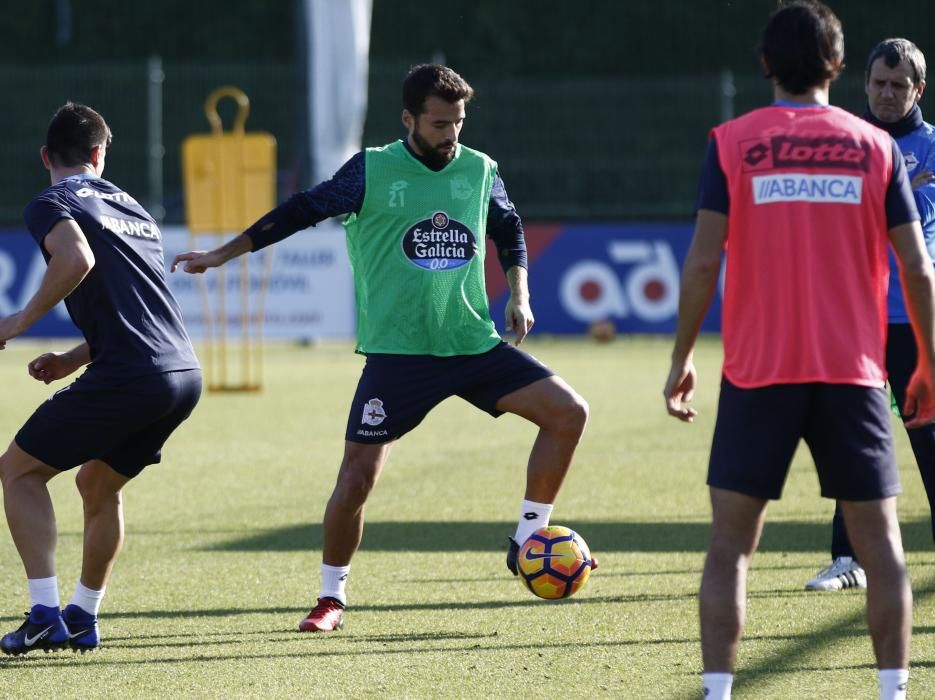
(151, 107)
(588, 149)
(607, 149)
(34, 92)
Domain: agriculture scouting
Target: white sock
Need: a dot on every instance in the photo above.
(532, 516)
(87, 599)
(893, 682)
(333, 581)
(44, 591)
(717, 685)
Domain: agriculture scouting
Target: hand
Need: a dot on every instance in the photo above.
(10, 327)
(196, 261)
(923, 177)
(519, 318)
(51, 366)
(679, 389)
(919, 405)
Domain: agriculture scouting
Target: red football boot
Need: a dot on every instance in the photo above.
(326, 616)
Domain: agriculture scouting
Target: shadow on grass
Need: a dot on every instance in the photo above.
(287, 646)
(800, 569)
(602, 536)
(792, 656)
(796, 654)
(325, 651)
(489, 605)
(188, 640)
(384, 607)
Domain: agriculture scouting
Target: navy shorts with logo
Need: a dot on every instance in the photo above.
(848, 429)
(122, 423)
(396, 392)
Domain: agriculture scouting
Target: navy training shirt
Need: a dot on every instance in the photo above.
(124, 308)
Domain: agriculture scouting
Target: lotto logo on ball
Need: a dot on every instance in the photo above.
(554, 562)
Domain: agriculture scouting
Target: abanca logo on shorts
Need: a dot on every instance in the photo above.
(439, 243)
(374, 414)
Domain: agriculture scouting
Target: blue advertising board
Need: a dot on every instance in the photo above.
(581, 274)
(21, 271)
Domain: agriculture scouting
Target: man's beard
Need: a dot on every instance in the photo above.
(434, 158)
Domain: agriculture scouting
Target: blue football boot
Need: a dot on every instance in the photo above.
(43, 629)
(83, 631)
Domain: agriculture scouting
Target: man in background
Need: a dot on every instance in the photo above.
(894, 82)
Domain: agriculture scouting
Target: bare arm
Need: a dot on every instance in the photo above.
(918, 280)
(197, 261)
(519, 318)
(80, 355)
(50, 366)
(70, 261)
(699, 280)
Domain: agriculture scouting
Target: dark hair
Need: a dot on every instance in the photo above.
(429, 79)
(74, 131)
(895, 51)
(802, 46)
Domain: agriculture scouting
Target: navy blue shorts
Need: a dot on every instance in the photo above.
(122, 423)
(848, 429)
(396, 392)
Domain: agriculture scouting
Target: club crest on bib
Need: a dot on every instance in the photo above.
(439, 243)
(461, 187)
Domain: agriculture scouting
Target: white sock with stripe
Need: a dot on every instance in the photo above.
(717, 685)
(333, 582)
(893, 683)
(532, 516)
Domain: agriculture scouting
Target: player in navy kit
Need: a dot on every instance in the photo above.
(105, 260)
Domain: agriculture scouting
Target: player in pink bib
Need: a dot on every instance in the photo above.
(805, 199)
(807, 246)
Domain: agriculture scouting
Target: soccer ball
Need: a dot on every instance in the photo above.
(554, 562)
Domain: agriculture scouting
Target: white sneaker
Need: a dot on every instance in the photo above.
(843, 573)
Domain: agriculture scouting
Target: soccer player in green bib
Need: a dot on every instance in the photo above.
(417, 214)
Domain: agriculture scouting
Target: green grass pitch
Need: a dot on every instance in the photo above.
(223, 546)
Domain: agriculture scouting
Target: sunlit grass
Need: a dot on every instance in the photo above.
(223, 549)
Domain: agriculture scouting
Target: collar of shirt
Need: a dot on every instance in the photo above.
(80, 177)
(789, 103)
(906, 125)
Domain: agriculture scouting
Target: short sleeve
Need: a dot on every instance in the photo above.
(712, 187)
(42, 213)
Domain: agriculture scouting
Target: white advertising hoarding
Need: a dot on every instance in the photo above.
(309, 291)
